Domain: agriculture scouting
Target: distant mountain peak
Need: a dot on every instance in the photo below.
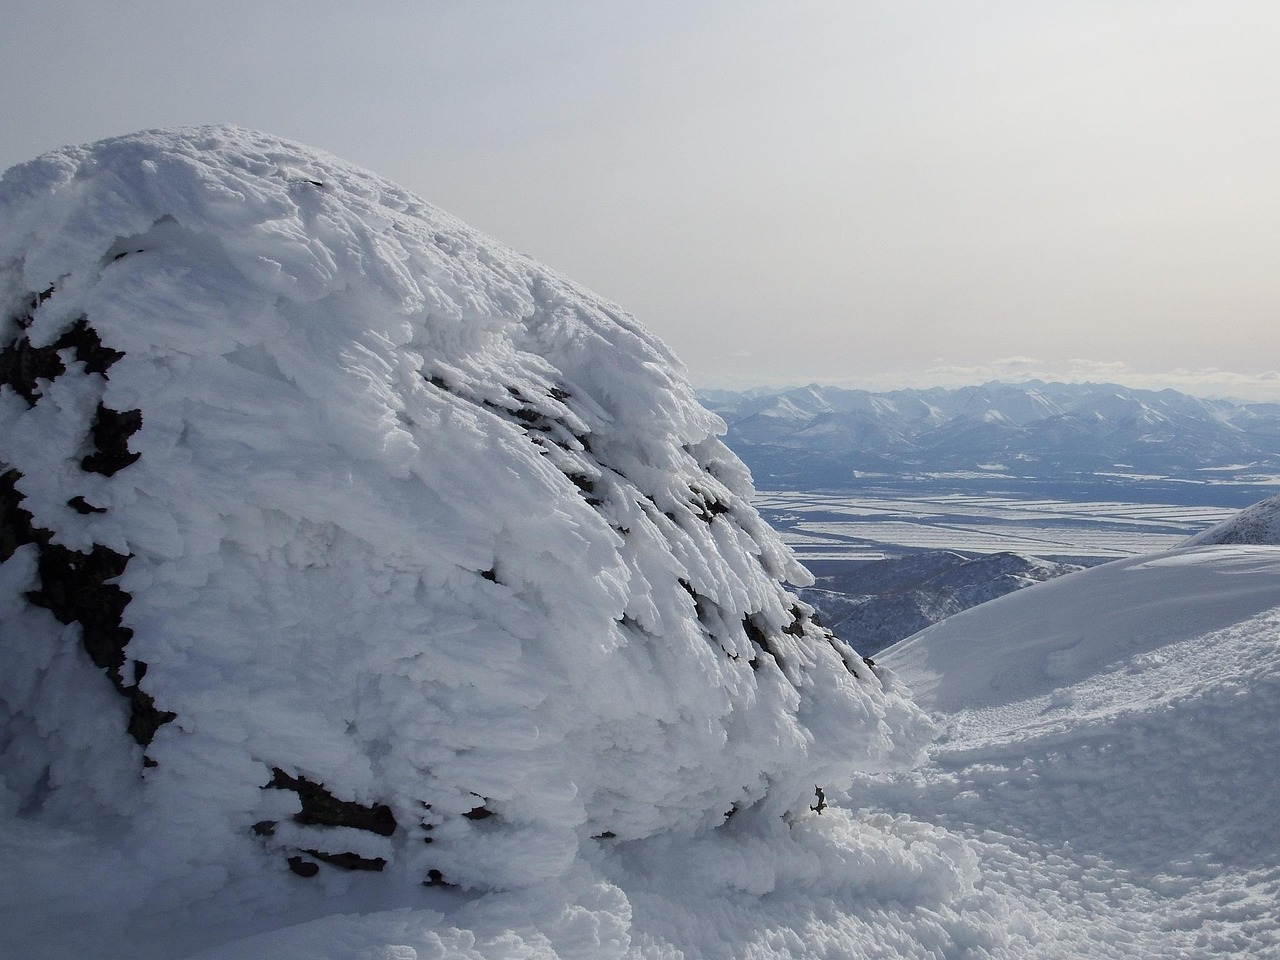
(1066, 429)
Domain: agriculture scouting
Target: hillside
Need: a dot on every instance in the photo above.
(1108, 754)
(875, 603)
(1257, 524)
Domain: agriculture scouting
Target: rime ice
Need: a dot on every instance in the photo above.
(340, 540)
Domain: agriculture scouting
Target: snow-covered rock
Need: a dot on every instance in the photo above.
(339, 540)
(1257, 524)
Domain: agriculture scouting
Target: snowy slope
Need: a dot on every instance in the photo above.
(873, 604)
(1259, 523)
(1109, 752)
(345, 549)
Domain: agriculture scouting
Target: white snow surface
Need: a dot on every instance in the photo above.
(410, 520)
(1259, 523)
(1109, 753)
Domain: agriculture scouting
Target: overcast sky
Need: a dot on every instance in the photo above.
(872, 193)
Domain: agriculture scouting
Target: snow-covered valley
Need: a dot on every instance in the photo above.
(370, 592)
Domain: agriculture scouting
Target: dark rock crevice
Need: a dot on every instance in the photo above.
(760, 639)
(110, 433)
(80, 587)
(23, 365)
(321, 808)
(76, 586)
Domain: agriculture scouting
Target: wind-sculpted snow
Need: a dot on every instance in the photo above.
(346, 550)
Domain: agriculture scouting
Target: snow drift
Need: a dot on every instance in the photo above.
(1108, 751)
(340, 540)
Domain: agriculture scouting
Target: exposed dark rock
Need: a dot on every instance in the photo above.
(89, 348)
(796, 627)
(77, 587)
(110, 432)
(81, 505)
(349, 860)
(16, 528)
(303, 868)
(761, 639)
(822, 800)
(144, 717)
(322, 808)
(587, 487)
(22, 365)
(706, 506)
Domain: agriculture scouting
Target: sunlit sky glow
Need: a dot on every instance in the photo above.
(906, 192)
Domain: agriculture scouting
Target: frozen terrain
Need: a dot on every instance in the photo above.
(1108, 753)
(898, 519)
(877, 603)
(370, 592)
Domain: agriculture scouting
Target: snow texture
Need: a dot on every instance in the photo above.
(1109, 754)
(346, 549)
(369, 592)
(1257, 524)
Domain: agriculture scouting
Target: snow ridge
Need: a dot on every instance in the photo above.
(1256, 524)
(396, 552)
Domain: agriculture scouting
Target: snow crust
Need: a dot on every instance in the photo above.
(428, 565)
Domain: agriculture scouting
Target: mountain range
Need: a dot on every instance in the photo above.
(830, 437)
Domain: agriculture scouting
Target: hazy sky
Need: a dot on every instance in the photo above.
(873, 193)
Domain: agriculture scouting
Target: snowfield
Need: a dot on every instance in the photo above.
(370, 592)
(1109, 753)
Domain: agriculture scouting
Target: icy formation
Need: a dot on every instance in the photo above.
(338, 539)
(1258, 524)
